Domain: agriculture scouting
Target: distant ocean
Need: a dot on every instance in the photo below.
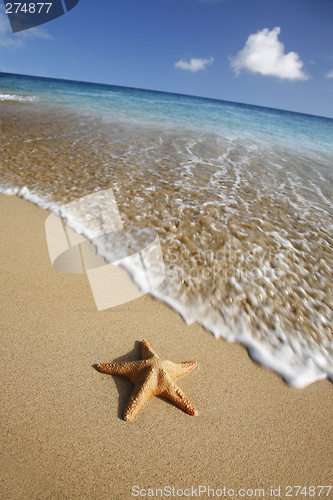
(241, 198)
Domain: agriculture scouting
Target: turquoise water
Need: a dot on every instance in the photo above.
(220, 116)
(240, 196)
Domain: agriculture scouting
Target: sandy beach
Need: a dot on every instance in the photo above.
(63, 436)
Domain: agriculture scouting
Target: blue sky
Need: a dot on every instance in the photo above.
(275, 53)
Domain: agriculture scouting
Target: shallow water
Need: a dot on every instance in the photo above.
(244, 214)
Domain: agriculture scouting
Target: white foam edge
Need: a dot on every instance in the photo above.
(25, 194)
(297, 376)
(15, 97)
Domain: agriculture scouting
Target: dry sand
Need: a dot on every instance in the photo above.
(62, 432)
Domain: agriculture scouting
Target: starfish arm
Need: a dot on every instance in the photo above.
(177, 369)
(123, 368)
(176, 395)
(139, 396)
(146, 351)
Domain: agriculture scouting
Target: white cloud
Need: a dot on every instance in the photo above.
(264, 53)
(8, 39)
(329, 74)
(194, 64)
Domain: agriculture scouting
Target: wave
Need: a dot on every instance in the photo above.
(15, 97)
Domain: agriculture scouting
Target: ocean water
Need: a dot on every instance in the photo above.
(240, 196)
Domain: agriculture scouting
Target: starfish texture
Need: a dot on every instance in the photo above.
(151, 377)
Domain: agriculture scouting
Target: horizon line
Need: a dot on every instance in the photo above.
(167, 92)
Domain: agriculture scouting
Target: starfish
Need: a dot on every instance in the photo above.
(151, 377)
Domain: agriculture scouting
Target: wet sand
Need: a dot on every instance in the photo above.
(63, 436)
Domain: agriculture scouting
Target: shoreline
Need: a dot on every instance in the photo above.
(63, 435)
(62, 158)
(296, 377)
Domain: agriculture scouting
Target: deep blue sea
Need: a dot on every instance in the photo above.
(241, 198)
